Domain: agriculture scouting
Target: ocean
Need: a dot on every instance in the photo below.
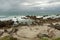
(28, 13)
(11, 14)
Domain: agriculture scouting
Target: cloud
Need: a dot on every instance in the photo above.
(41, 4)
(28, 4)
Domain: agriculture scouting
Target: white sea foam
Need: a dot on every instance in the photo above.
(52, 16)
(39, 16)
(20, 18)
(2, 16)
(46, 17)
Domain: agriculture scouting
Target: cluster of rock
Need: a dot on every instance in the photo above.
(7, 23)
(39, 20)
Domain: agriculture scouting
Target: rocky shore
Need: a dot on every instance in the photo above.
(38, 28)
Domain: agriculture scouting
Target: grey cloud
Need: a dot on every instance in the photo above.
(16, 4)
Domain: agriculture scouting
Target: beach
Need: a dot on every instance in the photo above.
(31, 30)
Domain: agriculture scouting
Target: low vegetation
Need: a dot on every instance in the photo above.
(57, 38)
(44, 39)
(8, 38)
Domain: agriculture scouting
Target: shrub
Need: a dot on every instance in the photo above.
(44, 39)
(57, 39)
(8, 38)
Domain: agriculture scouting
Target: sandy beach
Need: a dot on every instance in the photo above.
(31, 28)
(31, 32)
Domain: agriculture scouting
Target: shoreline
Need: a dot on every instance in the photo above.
(24, 30)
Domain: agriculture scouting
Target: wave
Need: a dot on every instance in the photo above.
(2, 16)
(14, 18)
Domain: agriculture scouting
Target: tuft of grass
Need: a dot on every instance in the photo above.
(8, 38)
(57, 38)
(44, 39)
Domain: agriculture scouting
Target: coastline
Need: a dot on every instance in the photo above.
(24, 30)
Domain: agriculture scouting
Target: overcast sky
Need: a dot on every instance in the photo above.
(23, 5)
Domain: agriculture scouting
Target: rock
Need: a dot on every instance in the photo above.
(42, 35)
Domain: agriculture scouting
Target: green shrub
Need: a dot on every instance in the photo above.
(44, 39)
(8, 38)
(57, 39)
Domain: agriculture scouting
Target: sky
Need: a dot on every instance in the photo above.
(29, 5)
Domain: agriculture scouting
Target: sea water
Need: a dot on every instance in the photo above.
(9, 15)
